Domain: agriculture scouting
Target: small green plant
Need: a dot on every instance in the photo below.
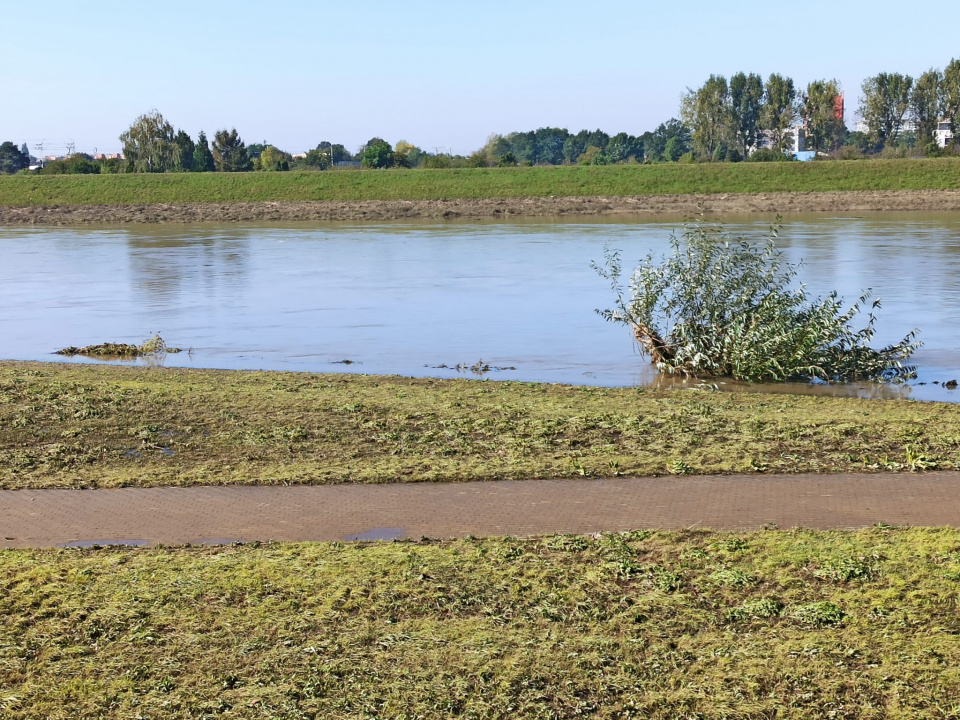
(819, 614)
(729, 577)
(848, 569)
(760, 609)
(721, 306)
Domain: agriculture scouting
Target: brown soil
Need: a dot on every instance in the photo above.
(676, 205)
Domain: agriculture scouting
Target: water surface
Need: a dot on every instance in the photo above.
(411, 298)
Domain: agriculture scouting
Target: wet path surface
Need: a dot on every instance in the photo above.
(219, 515)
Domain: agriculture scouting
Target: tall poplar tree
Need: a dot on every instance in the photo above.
(779, 111)
(202, 157)
(884, 105)
(951, 94)
(825, 126)
(926, 105)
(746, 105)
(706, 111)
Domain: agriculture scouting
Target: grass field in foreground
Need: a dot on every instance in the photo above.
(640, 625)
(615, 180)
(107, 426)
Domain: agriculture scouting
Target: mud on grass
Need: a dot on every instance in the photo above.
(756, 625)
(110, 426)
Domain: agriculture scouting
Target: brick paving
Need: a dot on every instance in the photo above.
(45, 518)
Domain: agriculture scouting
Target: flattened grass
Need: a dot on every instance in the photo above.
(477, 183)
(110, 426)
(694, 625)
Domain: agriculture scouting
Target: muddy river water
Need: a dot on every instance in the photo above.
(421, 299)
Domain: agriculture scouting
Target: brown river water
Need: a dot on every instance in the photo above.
(422, 298)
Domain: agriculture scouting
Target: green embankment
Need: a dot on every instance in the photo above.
(639, 625)
(108, 426)
(619, 180)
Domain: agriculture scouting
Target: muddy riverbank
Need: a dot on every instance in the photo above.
(379, 210)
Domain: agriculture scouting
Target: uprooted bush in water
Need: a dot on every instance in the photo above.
(152, 347)
(721, 306)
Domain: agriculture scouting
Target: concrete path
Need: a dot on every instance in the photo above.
(44, 518)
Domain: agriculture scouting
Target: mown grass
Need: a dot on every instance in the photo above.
(618, 180)
(769, 624)
(108, 426)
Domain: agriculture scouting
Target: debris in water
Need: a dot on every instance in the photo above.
(112, 351)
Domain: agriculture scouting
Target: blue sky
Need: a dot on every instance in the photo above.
(448, 74)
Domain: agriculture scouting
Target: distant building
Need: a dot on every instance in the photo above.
(798, 139)
(943, 133)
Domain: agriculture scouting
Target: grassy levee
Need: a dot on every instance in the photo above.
(619, 180)
(758, 625)
(110, 426)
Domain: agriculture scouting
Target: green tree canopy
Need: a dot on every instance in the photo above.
(377, 154)
(202, 157)
(926, 104)
(884, 105)
(706, 111)
(655, 143)
(12, 159)
(273, 159)
(951, 93)
(826, 128)
(230, 152)
(76, 164)
(185, 150)
(622, 147)
(148, 144)
(779, 111)
(746, 106)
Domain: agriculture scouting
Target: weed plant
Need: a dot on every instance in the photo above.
(721, 306)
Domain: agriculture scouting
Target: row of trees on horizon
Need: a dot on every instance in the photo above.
(721, 120)
(730, 119)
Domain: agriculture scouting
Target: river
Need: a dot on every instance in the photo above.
(423, 298)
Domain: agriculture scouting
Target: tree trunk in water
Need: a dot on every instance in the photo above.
(653, 344)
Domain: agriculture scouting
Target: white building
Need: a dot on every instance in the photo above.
(943, 134)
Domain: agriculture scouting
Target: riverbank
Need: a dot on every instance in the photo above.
(654, 625)
(664, 189)
(65, 425)
(482, 209)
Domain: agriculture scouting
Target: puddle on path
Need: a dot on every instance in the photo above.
(103, 543)
(216, 541)
(381, 533)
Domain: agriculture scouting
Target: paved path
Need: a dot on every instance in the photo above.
(42, 518)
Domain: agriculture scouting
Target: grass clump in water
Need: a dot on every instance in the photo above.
(152, 347)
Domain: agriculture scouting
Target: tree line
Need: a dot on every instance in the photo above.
(894, 104)
(732, 119)
(745, 117)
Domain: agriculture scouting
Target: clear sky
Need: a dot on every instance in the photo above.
(435, 73)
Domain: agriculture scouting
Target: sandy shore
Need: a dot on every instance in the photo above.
(375, 210)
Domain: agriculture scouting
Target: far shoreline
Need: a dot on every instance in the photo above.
(783, 203)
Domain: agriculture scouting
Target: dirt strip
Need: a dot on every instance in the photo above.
(45, 518)
(378, 210)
